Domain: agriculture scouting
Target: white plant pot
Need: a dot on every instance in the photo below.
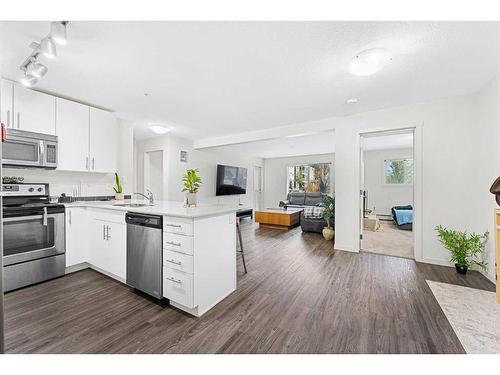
(119, 196)
(191, 199)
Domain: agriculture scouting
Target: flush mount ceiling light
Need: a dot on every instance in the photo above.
(159, 129)
(32, 69)
(370, 61)
(58, 32)
(352, 101)
(29, 80)
(36, 69)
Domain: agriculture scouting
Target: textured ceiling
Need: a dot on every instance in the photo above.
(216, 78)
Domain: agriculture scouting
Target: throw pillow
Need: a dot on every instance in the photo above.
(313, 212)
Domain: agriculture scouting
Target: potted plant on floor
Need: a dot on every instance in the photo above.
(328, 204)
(465, 248)
(118, 188)
(192, 182)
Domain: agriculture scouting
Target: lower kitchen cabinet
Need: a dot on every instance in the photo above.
(109, 250)
(76, 236)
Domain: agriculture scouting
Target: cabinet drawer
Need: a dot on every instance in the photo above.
(176, 242)
(178, 261)
(178, 287)
(112, 216)
(178, 225)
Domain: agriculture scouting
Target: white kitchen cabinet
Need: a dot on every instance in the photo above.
(76, 236)
(103, 141)
(109, 243)
(72, 130)
(6, 103)
(34, 111)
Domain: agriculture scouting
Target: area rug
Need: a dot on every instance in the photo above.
(473, 314)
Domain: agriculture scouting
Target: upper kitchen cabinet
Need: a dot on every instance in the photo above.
(72, 130)
(103, 141)
(6, 103)
(34, 111)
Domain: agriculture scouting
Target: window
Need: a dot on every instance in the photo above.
(309, 177)
(398, 171)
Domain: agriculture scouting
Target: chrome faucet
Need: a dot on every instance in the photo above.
(150, 197)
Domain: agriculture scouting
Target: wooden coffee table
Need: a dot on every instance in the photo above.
(279, 219)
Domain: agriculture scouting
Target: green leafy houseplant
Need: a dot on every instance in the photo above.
(191, 182)
(119, 188)
(464, 248)
(328, 203)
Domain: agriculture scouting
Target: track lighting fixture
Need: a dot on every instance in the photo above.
(58, 32)
(34, 70)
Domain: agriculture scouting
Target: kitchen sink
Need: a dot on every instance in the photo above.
(132, 204)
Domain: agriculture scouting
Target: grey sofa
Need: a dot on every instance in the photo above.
(313, 225)
(300, 199)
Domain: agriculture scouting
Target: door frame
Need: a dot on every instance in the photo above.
(261, 187)
(417, 182)
(145, 167)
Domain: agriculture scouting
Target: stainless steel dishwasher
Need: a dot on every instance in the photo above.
(144, 253)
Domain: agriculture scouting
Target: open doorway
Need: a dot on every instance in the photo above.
(387, 193)
(153, 173)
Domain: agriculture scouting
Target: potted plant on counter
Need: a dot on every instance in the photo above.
(328, 203)
(192, 182)
(465, 248)
(118, 188)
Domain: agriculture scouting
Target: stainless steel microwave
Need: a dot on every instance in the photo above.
(23, 149)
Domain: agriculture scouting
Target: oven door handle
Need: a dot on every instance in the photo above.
(31, 217)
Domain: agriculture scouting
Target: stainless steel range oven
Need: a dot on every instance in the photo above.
(33, 235)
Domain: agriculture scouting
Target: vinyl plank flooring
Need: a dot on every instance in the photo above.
(299, 296)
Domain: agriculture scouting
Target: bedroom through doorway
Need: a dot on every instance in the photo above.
(387, 193)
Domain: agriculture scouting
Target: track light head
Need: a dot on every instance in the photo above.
(36, 69)
(48, 47)
(58, 32)
(29, 80)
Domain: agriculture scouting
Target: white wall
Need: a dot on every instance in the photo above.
(381, 196)
(205, 161)
(275, 175)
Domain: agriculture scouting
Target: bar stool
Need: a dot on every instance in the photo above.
(241, 251)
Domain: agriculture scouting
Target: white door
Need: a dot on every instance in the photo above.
(153, 173)
(103, 141)
(257, 187)
(72, 130)
(76, 236)
(34, 111)
(6, 103)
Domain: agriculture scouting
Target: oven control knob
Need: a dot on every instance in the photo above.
(31, 190)
(39, 190)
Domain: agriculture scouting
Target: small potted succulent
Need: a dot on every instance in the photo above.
(192, 182)
(328, 203)
(118, 188)
(465, 248)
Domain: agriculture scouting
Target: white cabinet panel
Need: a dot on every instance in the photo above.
(178, 286)
(76, 236)
(103, 141)
(72, 130)
(116, 249)
(34, 111)
(6, 103)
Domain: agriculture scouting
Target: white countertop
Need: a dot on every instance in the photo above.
(164, 208)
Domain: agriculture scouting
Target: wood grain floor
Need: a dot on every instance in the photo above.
(299, 296)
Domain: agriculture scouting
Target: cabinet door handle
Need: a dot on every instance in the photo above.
(18, 120)
(87, 163)
(174, 280)
(107, 232)
(173, 243)
(174, 262)
(8, 118)
(70, 217)
(104, 232)
(173, 225)
(93, 163)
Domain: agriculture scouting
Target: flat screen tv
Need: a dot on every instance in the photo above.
(231, 180)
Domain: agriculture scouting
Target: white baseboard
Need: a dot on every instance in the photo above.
(345, 248)
(76, 267)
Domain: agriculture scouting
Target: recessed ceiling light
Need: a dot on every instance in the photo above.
(370, 61)
(352, 101)
(159, 129)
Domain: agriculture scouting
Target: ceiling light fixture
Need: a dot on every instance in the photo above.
(48, 47)
(159, 129)
(36, 69)
(29, 80)
(58, 32)
(370, 61)
(352, 101)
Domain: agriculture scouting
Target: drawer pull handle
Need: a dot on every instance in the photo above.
(173, 243)
(174, 280)
(174, 225)
(174, 262)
